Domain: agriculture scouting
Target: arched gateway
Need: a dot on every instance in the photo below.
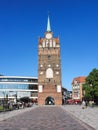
(49, 69)
(49, 101)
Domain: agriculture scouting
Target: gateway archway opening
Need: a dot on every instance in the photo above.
(49, 101)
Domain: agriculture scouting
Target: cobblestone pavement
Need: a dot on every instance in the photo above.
(9, 114)
(88, 115)
(43, 118)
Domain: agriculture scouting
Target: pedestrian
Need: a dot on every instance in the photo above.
(83, 104)
(93, 103)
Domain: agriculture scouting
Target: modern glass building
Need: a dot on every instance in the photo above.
(17, 86)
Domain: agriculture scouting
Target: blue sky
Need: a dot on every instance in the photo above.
(23, 21)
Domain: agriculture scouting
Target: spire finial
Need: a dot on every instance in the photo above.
(48, 25)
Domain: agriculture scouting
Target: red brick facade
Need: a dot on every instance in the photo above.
(49, 70)
(50, 91)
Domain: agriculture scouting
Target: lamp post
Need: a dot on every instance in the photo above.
(16, 96)
(6, 101)
(3, 99)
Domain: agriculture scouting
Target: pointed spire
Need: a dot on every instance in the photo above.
(48, 25)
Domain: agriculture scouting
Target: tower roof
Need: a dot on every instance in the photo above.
(48, 25)
(80, 79)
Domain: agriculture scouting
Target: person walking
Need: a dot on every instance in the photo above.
(83, 104)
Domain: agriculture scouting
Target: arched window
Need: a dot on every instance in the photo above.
(49, 73)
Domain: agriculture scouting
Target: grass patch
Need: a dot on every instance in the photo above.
(1, 108)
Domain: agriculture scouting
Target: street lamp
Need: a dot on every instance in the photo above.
(16, 96)
(3, 98)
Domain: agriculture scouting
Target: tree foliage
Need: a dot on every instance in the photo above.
(91, 86)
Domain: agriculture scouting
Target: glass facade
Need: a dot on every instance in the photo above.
(20, 86)
(18, 80)
(14, 86)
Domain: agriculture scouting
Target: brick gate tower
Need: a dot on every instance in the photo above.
(49, 69)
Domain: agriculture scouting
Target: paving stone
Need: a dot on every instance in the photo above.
(43, 118)
(88, 115)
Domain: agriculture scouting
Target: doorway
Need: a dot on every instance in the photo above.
(49, 101)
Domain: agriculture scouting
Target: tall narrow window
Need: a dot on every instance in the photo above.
(43, 43)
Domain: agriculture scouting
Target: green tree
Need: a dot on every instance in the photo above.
(91, 86)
